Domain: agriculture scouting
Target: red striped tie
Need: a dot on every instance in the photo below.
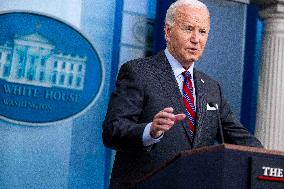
(188, 101)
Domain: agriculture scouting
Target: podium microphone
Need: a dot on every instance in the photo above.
(219, 121)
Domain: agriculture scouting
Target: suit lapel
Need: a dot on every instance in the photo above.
(201, 102)
(165, 74)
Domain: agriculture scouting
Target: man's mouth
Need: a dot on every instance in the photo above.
(193, 49)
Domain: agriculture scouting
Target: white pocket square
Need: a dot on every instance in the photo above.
(211, 108)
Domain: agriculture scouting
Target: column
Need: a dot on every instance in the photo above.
(270, 106)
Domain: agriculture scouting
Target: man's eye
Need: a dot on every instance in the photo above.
(189, 28)
(203, 31)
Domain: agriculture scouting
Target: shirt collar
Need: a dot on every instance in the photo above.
(176, 66)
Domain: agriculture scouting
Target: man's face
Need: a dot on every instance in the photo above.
(187, 37)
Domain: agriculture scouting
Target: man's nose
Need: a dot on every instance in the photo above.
(194, 38)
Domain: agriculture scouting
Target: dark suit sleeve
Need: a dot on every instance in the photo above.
(234, 131)
(121, 128)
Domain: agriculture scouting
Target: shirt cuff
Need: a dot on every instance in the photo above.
(147, 139)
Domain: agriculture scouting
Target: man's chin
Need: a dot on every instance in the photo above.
(191, 60)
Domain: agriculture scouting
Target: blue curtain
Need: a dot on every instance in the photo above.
(251, 67)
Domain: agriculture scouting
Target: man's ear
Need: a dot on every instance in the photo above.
(167, 30)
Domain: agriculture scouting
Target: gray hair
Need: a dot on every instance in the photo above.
(170, 16)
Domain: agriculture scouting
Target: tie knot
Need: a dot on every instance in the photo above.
(186, 74)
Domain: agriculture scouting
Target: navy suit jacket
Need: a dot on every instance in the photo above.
(146, 86)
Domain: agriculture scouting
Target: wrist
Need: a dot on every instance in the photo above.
(156, 134)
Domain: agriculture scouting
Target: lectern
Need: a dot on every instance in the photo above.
(219, 167)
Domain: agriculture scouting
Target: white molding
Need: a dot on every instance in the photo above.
(241, 1)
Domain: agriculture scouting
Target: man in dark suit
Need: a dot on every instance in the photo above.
(162, 105)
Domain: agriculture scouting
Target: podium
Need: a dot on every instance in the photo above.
(219, 167)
